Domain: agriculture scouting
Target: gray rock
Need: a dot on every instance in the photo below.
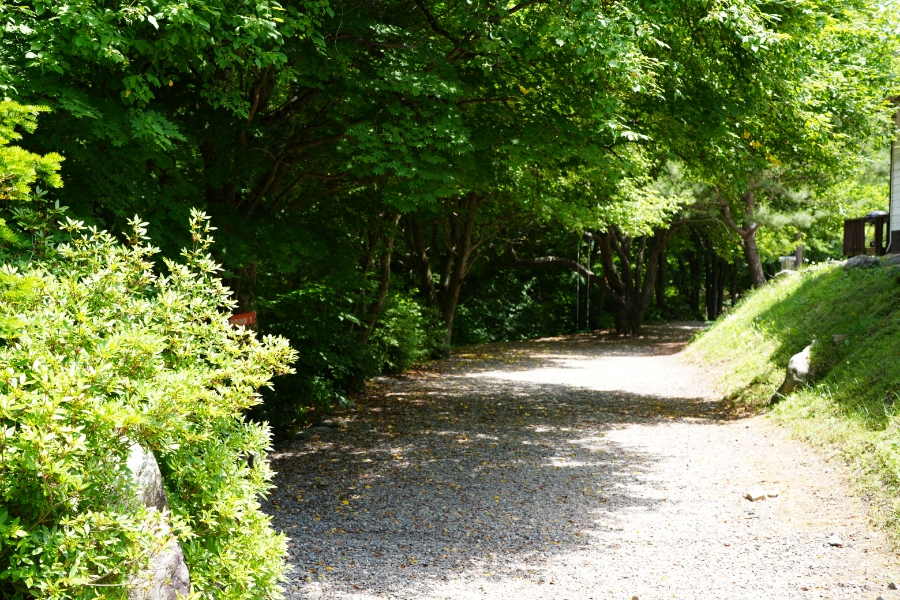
(166, 578)
(862, 261)
(798, 373)
(786, 273)
(892, 586)
(891, 260)
(145, 471)
(167, 574)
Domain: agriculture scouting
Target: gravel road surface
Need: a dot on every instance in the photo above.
(584, 467)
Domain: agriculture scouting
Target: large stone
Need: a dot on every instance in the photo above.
(798, 373)
(167, 576)
(145, 471)
(861, 261)
(166, 579)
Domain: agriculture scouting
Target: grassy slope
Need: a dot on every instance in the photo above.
(853, 407)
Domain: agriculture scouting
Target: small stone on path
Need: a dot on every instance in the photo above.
(892, 586)
(835, 541)
(755, 495)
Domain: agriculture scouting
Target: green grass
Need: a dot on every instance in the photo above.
(851, 407)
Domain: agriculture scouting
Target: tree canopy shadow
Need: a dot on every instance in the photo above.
(446, 475)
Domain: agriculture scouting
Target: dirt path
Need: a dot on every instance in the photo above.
(579, 468)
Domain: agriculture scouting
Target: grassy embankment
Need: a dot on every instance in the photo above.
(852, 408)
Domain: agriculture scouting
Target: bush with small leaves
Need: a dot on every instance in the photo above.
(97, 352)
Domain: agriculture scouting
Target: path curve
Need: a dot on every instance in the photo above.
(573, 468)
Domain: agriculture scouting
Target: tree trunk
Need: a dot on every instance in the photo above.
(376, 307)
(455, 240)
(631, 285)
(751, 255)
(709, 288)
(720, 286)
(733, 291)
(661, 282)
(694, 266)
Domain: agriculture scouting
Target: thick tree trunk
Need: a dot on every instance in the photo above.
(747, 234)
(751, 255)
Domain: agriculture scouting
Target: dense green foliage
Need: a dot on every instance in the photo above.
(851, 406)
(98, 351)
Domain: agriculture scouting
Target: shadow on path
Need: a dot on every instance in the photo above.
(477, 469)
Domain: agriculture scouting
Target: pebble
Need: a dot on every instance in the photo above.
(892, 586)
(835, 541)
(755, 495)
(568, 469)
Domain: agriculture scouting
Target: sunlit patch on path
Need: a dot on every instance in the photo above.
(571, 468)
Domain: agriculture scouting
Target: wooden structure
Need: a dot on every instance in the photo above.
(886, 225)
(855, 234)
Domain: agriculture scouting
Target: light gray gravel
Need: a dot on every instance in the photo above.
(575, 468)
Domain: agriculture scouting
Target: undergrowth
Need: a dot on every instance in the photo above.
(850, 407)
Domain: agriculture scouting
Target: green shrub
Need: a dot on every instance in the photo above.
(407, 333)
(331, 362)
(97, 352)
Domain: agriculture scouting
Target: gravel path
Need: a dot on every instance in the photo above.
(582, 467)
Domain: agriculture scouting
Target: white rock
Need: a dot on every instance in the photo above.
(798, 373)
(835, 541)
(772, 494)
(755, 495)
